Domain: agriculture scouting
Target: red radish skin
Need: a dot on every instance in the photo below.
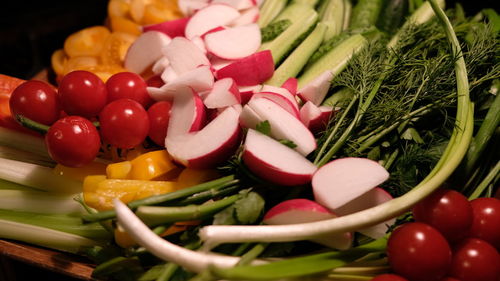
(302, 211)
(155, 81)
(281, 91)
(215, 29)
(279, 100)
(249, 71)
(247, 92)
(274, 161)
(284, 126)
(314, 117)
(367, 200)
(145, 51)
(209, 17)
(291, 85)
(210, 146)
(347, 178)
(172, 28)
(224, 93)
(316, 90)
(234, 43)
(184, 55)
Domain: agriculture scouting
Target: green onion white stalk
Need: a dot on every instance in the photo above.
(25, 142)
(39, 202)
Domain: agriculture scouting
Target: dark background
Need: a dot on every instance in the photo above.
(30, 31)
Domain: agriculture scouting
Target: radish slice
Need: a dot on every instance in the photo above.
(280, 100)
(199, 79)
(187, 115)
(314, 117)
(184, 55)
(160, 65)
(145, 51)
(367, 200)
(210, 146)
(169, 75)
(224, 93)
(284, 126)
(172, 28)
(246, 92)
(274, 161)
(250, 15)
(237, 4)
(316, 90)
(189, 7)
(218, 63)
(281, 91)
(210, 17)
(234, 43)
(340, 181)
(291, 85)
(200, 44)
(251, 70)
(304, 210)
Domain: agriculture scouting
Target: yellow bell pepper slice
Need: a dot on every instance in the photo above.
(189, 177)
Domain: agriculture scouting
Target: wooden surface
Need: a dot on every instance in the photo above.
(69, 265)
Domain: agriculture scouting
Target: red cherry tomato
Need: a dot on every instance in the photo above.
(475, 260)
(124, 123)
(446, 210)
(128, 85)
(82, 93)
(388, 277)
(37, 101)
(418, 252)
(155, 81)
(449, 279)
(73, 141)
(159, 115)
(486, 221)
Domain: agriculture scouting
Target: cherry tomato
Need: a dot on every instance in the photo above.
(124, 123)
(418, 252)
(449, 279)
(486, 221)
(73, 141)
(475, 260)
(128, 85)
(388, 277)
(159, 115)
(155, 81)
(37, 101)
(446, 210)
(82, 93)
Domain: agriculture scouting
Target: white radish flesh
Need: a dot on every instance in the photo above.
(234, 43)
(224, 93)
(145, 51)
(184, 55)
(210, 17)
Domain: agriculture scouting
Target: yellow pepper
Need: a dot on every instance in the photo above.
(189, 177)
(99, 192)
(148, 166)
(93, 168)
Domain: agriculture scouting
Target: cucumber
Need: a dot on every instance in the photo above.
(294, 63)
(332, 14)
(274, 29)
(365, 13)
(310, 3)
(392, 15)
(292, 36)
(270, 10)
(335, 60)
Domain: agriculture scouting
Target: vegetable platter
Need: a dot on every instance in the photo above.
(263, 140)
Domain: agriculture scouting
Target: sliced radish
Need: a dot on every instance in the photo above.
(169, 75)
(199, 79)
(145, 51)
(283, 92)
(184, 55)
(372, 198)
(249, 71)
(316, 90)
(291, 85)
(280, 100)
(186, 115)
(189, 7)
(237, 4)
(224, 93)
(316, 118)
(200, 44)
(246, 92)
(210, 17)
(172, 28)
(218, 63)
(209, 146)
(302, 211)
(284, 126)
(274, 161)
(250, 15)
(160, 65)
(218, 28)
(234, 43)
(340, 181)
